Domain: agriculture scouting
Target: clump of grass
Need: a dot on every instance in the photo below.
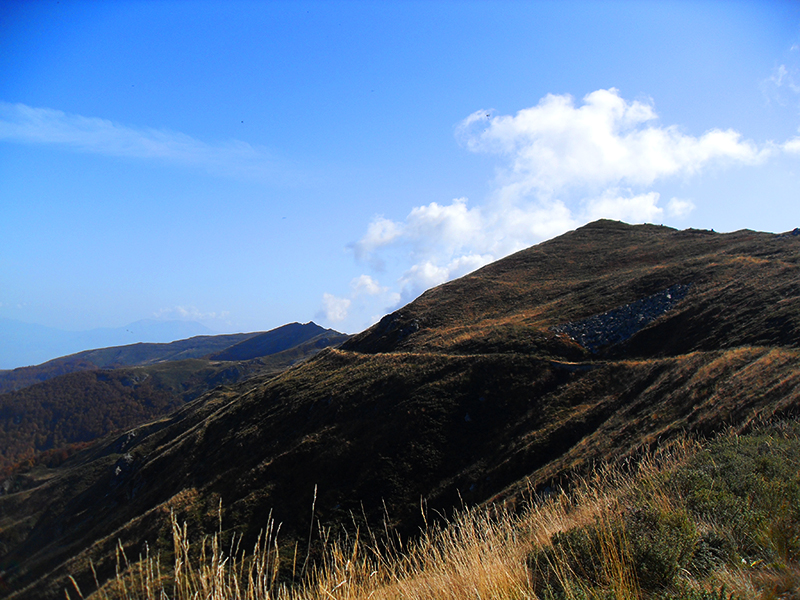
(203, 571)
(695, 521)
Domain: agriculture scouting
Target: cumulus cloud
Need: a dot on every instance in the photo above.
(30, 125)
(427, 274)
(365, 293)
(607, 141)
(432, 228)
(679, 207)
(380, 232)
(451, 225)
(633, 208)
(364, 284)
(792, 146)
(442, 240)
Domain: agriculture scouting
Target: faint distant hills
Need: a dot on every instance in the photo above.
(293, 342)
(25, 344)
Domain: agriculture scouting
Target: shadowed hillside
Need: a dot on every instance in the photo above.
(45, 423)
(275, 341)
(80, 407)
(593, 346)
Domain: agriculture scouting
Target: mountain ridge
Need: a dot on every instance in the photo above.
(29, 344)
(144, 353)
(62, 405)
(472, 393)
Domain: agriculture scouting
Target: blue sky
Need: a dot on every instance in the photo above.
(249, 164)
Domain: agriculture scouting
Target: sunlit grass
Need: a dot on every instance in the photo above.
(697, 521)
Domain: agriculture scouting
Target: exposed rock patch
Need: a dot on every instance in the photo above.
(620, 324)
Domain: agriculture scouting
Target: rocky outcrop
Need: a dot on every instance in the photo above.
(620, 324)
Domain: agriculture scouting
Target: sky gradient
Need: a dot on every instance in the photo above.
(249, 164)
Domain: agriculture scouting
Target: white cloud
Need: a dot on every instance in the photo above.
(452, 225)
(335, 308)
(380, 232)
(424, 275)
(514, 225)
(427, 274)
(430, 228)
(779, 75)
(364, 284)
(783, 84)
(606, 142)
(612, 205)
(366, 295)
(25, 124)
(792, 145)
(783, 77)
(447, 240)
(189, 313)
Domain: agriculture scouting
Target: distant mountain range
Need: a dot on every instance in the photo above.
(595, 346)
(25, 344)
(49, 410)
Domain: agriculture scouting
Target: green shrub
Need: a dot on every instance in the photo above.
(748, 489)
(684, 591)
(712, 551)
(660, 543)
(573, 559)
(650, 545)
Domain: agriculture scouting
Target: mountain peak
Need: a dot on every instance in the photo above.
(594, 346)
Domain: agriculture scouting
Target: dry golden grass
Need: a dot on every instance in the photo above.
(478, 553)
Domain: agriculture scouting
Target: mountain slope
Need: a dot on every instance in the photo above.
(746, 278)
(237, 346)
(591, 346)
(45, 422)
(77, 408)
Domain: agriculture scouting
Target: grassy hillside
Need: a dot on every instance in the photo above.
(600, 345)
(693, 521)
(54, 416)
(47, 422)
(739, 289)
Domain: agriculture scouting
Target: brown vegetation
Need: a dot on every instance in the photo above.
(474, 394)
(692, 521)
(45, 423)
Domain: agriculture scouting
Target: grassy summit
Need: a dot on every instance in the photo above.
(597, 347)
